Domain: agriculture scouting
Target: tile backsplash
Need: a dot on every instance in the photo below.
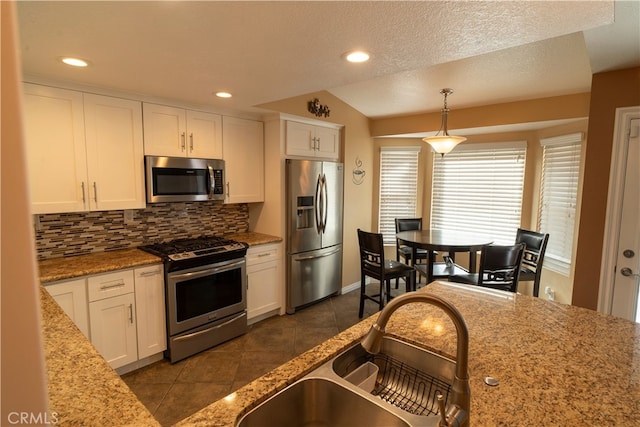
(69, 234)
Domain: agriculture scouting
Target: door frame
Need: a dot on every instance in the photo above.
(622, 127)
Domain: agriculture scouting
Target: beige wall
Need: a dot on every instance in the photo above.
(609, 91)
(356, 144)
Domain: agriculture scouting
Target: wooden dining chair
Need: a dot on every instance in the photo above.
(404, 251)
(534, 249)
(373, 264)
(499, 268)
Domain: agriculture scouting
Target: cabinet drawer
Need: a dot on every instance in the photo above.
(110, 285)
(258, 255)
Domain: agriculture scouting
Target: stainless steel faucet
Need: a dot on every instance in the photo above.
(460, 402)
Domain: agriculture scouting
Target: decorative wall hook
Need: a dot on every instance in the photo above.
(358, 173)
(314, 107)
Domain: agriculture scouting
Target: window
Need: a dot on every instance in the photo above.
(478, 188)
(558, 194)
(398, 188)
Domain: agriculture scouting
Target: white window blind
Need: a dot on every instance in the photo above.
(398, 188)
(478, 189)
(558, 193)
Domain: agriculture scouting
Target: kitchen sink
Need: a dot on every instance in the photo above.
(396, 387)
(380, 381)
(320, 402)
(408, 377)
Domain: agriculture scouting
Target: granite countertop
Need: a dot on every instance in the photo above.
(83, 389)
(253, 239)
(556, 364)
(55, 269)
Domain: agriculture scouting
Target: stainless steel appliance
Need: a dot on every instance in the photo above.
(205, 291)
(314, 231)
(182, 179)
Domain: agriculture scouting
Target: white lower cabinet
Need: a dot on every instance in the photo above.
(113, 329)
(152, 330)
(264, 280)
(112, 314)
(121, 312)
(71, 296)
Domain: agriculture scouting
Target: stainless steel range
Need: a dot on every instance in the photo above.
(205, 288)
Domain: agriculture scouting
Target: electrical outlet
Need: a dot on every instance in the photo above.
(550, 293)
(128, 216)
(36, 223)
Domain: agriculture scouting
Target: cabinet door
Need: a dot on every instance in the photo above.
(204, 135)
(113, 329)
(72, 298)
(164, 130)
(150, 319)
(264, 281)
(115, 153)
(243, 153)
(327, 142)
(300, 139)
(55, 144)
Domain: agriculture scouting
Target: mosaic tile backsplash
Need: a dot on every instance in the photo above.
(69, 234)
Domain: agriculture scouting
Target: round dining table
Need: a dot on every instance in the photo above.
(442, 240)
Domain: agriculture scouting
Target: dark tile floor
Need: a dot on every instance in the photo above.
(173, 392)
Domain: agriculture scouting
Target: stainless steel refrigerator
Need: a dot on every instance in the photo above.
(314, 231)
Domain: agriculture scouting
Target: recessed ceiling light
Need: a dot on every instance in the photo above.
(75, 62)
(357, 56)
(223, 95)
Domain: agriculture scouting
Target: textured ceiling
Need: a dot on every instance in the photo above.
(267, 51)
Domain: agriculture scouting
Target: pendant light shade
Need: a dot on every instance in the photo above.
(444, 143)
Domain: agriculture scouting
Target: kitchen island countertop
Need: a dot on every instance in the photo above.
(557, 365)
(83, 389)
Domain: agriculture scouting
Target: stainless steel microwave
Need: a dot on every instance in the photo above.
(182, 179)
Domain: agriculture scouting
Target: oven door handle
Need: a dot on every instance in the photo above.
(227, 266)
(206, 331)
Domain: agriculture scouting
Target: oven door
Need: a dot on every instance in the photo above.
(205, 294)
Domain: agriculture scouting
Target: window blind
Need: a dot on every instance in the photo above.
(398, 188)
(478, 189)
(558, 194)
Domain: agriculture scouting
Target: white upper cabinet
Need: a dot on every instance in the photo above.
(115, 154)
(84, 152)
(306, 140)
(176, 132)
(243, 154)
(56, 151)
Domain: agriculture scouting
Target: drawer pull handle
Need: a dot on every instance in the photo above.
(264, 255)
(149, 273)
(131, 313)
(115, 285)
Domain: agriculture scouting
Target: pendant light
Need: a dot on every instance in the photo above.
(444, 143)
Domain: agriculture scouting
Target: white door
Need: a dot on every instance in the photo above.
(626, 282)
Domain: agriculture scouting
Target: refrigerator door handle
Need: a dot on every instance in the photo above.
(318, 203)
(306, 258)
(325, 203)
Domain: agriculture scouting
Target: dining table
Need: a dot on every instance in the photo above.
(442, 240)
